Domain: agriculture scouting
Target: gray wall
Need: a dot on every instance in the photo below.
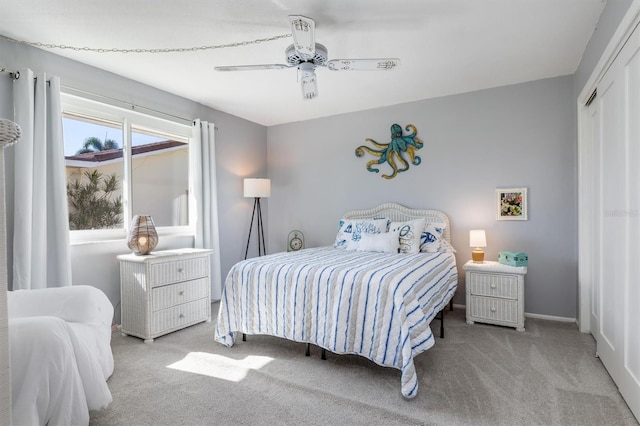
(522, 135)
(240, 152)
(512, 136)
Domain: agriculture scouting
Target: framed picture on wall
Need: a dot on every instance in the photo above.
(511, 204)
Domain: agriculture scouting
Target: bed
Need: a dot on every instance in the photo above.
(351, 297)
(60, 354)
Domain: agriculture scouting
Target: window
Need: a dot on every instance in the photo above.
(120, 163)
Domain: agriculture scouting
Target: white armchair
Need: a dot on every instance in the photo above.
(60, 344)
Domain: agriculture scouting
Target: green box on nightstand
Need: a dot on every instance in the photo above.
(513, 258)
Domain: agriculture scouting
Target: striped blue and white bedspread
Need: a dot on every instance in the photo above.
(371, 304)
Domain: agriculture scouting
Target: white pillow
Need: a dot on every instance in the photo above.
(409, 234)
(386, 242)
(431, 237)
(351, 230)
(446, 247)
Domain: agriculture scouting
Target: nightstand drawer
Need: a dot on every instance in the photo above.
(180, 316)
(176, 294)
(493, 285)
(503, 310)
(178, 270)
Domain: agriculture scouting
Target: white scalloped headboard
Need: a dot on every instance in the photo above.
(400, 213)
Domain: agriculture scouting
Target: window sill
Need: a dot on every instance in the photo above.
(104, 236)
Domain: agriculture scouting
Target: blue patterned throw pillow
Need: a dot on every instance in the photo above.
(409, 234)
(431, 237)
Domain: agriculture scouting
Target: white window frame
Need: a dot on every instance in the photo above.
(82, 106)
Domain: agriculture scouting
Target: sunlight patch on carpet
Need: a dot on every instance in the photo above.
(219, 366)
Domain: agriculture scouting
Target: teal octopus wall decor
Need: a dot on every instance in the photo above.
(394, 151)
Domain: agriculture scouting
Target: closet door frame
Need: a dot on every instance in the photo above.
(585, 165)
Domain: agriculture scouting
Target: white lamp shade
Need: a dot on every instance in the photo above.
(257, 188)
(477, 238)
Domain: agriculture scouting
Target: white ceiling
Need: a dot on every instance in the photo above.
(445, 46)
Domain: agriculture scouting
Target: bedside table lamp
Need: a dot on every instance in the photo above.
(478, 240)
(257, 188)
(142, 236)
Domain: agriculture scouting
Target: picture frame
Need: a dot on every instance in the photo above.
(511, 204)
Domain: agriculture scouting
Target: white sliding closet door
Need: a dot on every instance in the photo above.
(610, 257)
(612, 188)
(629, 382)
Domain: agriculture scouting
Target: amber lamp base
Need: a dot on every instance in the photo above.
(477, 255)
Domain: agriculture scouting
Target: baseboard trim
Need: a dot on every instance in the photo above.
(550, 317)
(535, 316)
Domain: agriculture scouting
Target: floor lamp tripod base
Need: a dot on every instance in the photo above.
(257, 211)
(262, 248)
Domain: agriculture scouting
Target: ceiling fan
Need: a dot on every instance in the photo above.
(306, 55)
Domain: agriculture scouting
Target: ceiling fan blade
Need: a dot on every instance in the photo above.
(362, 64)
(303, 30)
(252, 67)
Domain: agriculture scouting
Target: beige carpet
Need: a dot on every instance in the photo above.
(477, 375)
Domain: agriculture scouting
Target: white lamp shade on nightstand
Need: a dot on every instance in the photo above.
(477, 240)
(257, 188)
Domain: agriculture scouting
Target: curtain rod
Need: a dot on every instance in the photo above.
(128, 104)
(16, 75)
(13, 74)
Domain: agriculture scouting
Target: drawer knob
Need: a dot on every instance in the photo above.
(493, 286)
(493, 309)
(180, 270)
(181, 293)
(181, 316)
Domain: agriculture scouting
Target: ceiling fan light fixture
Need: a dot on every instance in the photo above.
(308, 80)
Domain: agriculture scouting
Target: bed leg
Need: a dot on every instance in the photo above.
(244, 337)
(442, 324)
(324, 354)
(451, 304)
(308, 352)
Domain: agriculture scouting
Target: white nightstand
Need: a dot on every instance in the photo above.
(164, 291)
(495, 293)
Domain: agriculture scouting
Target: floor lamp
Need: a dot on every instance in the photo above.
(257, 188)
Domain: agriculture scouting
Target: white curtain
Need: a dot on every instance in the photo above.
(205, 193)
(41, 227)
(7, 137)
